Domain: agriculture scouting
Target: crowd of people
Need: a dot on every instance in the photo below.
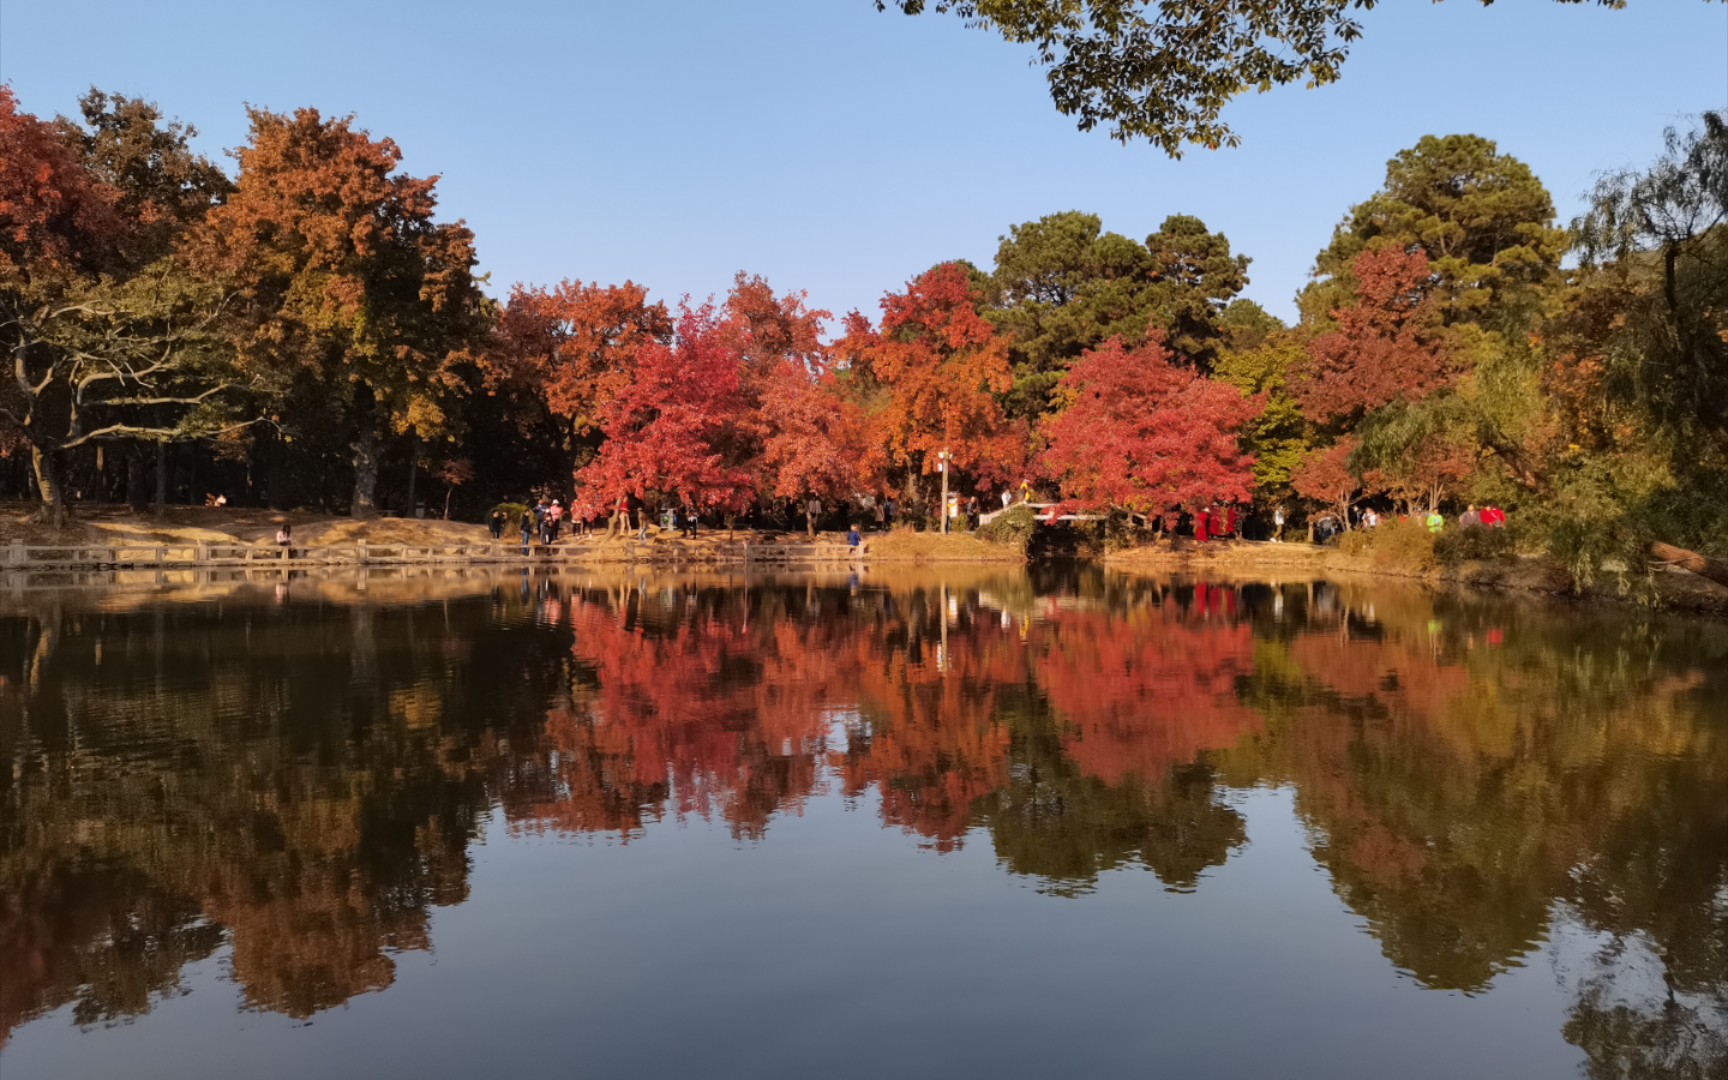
(545, 520)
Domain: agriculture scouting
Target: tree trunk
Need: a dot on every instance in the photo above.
(1712, 569)
(366, 467)
(275, 496)
(413, 475)
(137, 480)
(161, 478)
(47, 467)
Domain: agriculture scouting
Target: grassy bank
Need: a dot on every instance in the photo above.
(1478, 558)
(908, 545)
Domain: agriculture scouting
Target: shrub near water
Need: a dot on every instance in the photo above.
(1409, 547)
(1406, 546)
(1457, 545)
(1014, 527)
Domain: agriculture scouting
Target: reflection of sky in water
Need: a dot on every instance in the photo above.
(865, 831)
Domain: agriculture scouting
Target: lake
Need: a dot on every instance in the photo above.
(917, 822)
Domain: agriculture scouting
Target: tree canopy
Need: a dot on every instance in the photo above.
(1164, 70)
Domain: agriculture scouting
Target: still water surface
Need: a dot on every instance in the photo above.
(964, 824)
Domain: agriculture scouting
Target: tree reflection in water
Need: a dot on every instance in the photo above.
(300, 782)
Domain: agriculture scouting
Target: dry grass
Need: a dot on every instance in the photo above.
(909, 545)
(185, 524)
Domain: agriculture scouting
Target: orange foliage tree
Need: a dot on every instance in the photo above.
(347, 279)
(935, 366)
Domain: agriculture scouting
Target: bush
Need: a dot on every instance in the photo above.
(512, 514)
(1405, 546)
(1457, 545)
(1013, 526)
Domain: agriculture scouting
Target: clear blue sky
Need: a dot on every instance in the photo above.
(840, 150)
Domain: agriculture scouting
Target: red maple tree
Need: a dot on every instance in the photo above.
(817, 439)
(1140, 433)
(1324, 476)
(684, 428)
(1389, 345)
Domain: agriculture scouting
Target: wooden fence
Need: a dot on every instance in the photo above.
(204, 554)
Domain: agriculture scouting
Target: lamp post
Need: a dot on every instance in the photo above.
(942, 466)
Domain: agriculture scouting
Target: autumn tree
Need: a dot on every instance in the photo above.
(347, 280)
(162, 188)
(1140, 433)
(1389, 344)
(933, 370)
(110, 338)
(1325, 476)
(1164, 71)
(683, 428)
(816, 439)
(563, 354)
(775, 329)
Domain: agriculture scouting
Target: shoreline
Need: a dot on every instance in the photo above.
(229, 541)
(224, 539)
(1673, 589)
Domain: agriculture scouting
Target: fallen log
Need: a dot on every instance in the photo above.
(1714, 569)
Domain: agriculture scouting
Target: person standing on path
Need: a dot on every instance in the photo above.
(527, 528)
(1202, 519)
(1435, 521)
(812, 511)
(1278, 524)
(497, 525)
(881, 516)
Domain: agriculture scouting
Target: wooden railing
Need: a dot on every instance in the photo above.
(150, 555)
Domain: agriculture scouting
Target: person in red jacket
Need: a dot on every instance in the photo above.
(1202, 518)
